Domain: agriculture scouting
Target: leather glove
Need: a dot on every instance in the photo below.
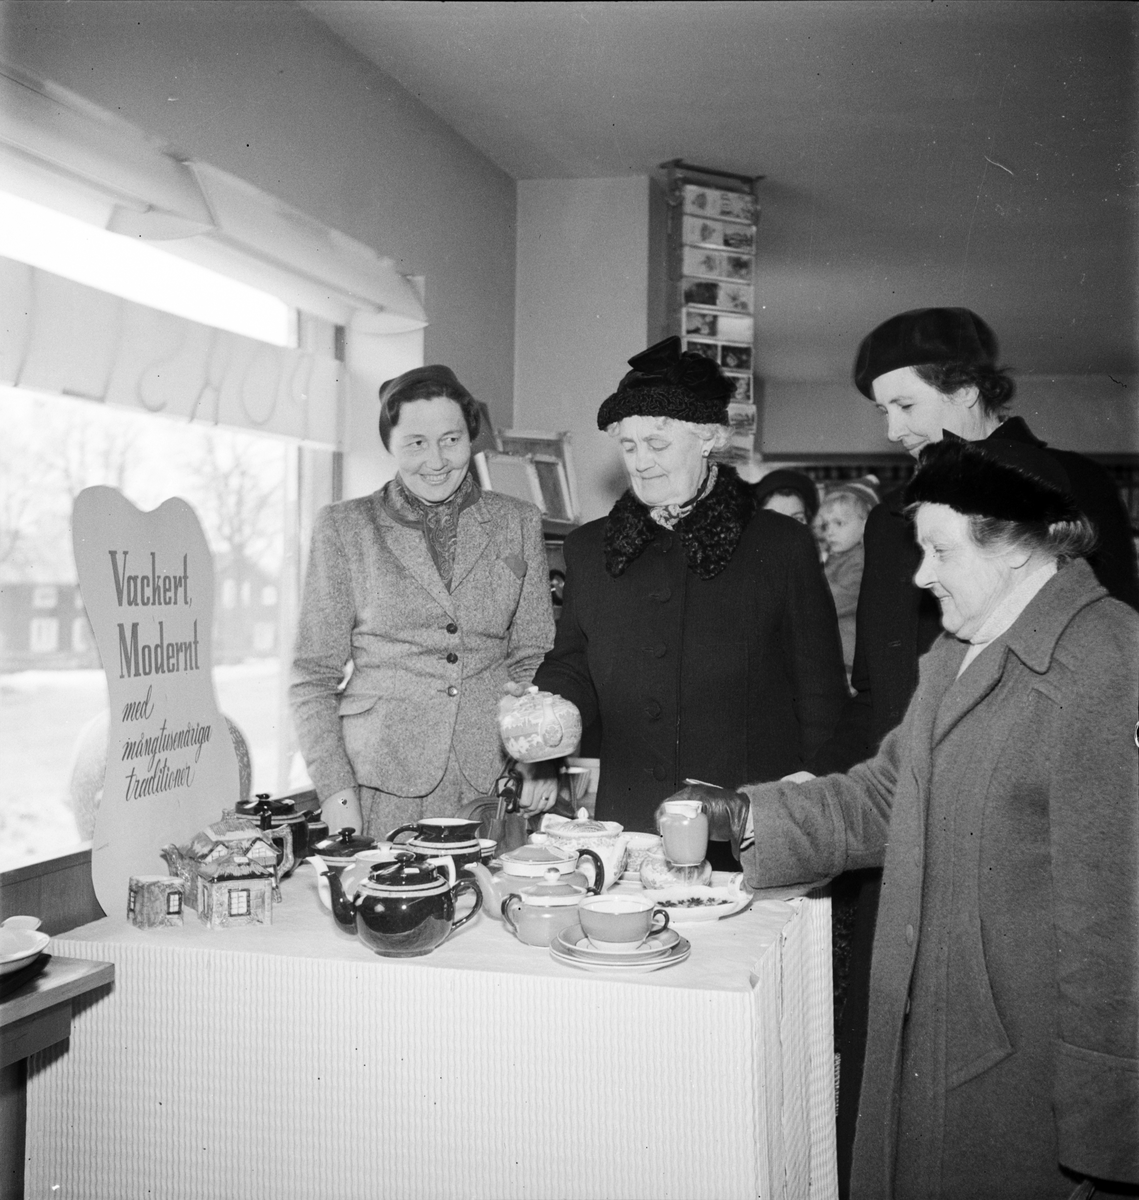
(727, 811)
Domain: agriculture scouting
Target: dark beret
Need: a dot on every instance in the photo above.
(924, 335)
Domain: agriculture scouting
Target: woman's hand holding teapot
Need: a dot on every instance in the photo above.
(539, 785)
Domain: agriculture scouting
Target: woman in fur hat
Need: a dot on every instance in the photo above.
(697, 631)
(1002, 1056)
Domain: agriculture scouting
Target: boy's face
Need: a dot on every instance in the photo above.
(841, 526)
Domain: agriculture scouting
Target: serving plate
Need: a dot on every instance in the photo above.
(573, 957)
(724, 887)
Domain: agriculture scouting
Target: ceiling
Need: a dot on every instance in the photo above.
(975, 152)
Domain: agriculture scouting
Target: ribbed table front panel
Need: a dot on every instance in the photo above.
(217, 1071)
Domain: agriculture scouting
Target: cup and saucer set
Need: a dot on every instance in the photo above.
(618, 932)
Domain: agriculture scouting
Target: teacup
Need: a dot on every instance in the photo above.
(618, 923)
(684, 832)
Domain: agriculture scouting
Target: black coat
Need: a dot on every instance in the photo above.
(897, 621)
(732, 678)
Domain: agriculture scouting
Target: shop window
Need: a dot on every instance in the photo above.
(254, 502)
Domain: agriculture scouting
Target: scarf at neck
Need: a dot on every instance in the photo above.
(709, 529)
(439, 522)
(669, 514)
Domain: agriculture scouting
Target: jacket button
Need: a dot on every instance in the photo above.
(652, 710)
(909, 935)
(665, 543)
(659, 650)
(452, 657)
(659, 772)
(452, 627)
(663, 596)
(452, 691)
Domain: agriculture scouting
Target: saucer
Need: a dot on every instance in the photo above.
(18, 947)
(573, 941)
(573, 957)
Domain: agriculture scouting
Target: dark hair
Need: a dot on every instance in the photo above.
(425, 383)
(994, 385)
(1061, 539)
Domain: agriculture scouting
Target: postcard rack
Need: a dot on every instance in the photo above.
(713, 218)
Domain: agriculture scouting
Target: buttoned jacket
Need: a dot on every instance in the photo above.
(427, 665)
(728, 679)
(1003, 1041)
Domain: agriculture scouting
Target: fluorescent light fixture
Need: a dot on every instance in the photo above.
(139, 271)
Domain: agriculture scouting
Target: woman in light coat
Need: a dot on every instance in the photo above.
(422, 602)
(1003, 1047)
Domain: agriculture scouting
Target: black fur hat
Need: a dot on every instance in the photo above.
(997, 477)
(667, 383)
(924, 335)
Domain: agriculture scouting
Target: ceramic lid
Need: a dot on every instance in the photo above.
(407, 874)
(534, 858)
(261, 803)
(344, 844)
(554, 892)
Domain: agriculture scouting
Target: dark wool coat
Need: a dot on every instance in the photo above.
(1003, 1041)
(724, 679)
(897, 622)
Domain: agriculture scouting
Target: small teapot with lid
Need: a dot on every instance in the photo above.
(539, 912)
(406, 908)
(521, 868)
(538, 725)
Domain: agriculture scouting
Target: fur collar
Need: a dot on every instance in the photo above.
(709, 533)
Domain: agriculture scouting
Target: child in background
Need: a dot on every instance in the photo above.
(842, 518)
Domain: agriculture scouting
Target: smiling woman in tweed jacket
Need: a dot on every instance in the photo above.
(431, 596)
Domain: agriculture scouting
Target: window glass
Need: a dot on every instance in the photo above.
(52, 690)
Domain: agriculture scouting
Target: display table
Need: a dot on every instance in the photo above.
(289, 1061)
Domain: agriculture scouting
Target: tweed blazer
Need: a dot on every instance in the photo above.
(1003, 1042)
(427, 665)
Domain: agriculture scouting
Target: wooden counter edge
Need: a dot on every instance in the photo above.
(62, 980)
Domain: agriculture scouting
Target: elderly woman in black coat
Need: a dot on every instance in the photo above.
(697, 631)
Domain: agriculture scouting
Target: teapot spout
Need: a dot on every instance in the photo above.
(485, 881)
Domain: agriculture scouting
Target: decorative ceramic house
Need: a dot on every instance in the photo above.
(219, 854)
(154, 901)
(237, 880)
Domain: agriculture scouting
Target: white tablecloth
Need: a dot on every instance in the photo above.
(288, 1061)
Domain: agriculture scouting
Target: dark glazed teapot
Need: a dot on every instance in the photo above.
(407, 907)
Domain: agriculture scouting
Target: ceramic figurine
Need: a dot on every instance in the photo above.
(154, 901)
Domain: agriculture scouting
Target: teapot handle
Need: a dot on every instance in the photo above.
(466, 885)
(401, 829)
(598, 884)
(506, 913)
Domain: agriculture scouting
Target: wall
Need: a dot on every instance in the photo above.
(588, 296)
(1092, 414)
(268, 93)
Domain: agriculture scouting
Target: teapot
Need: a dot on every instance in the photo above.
(540, 911)
(520, 869)
(538, 725)
(406, 908)
(348, 873)
(606, 839)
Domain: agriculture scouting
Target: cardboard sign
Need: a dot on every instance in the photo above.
(147, 580)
